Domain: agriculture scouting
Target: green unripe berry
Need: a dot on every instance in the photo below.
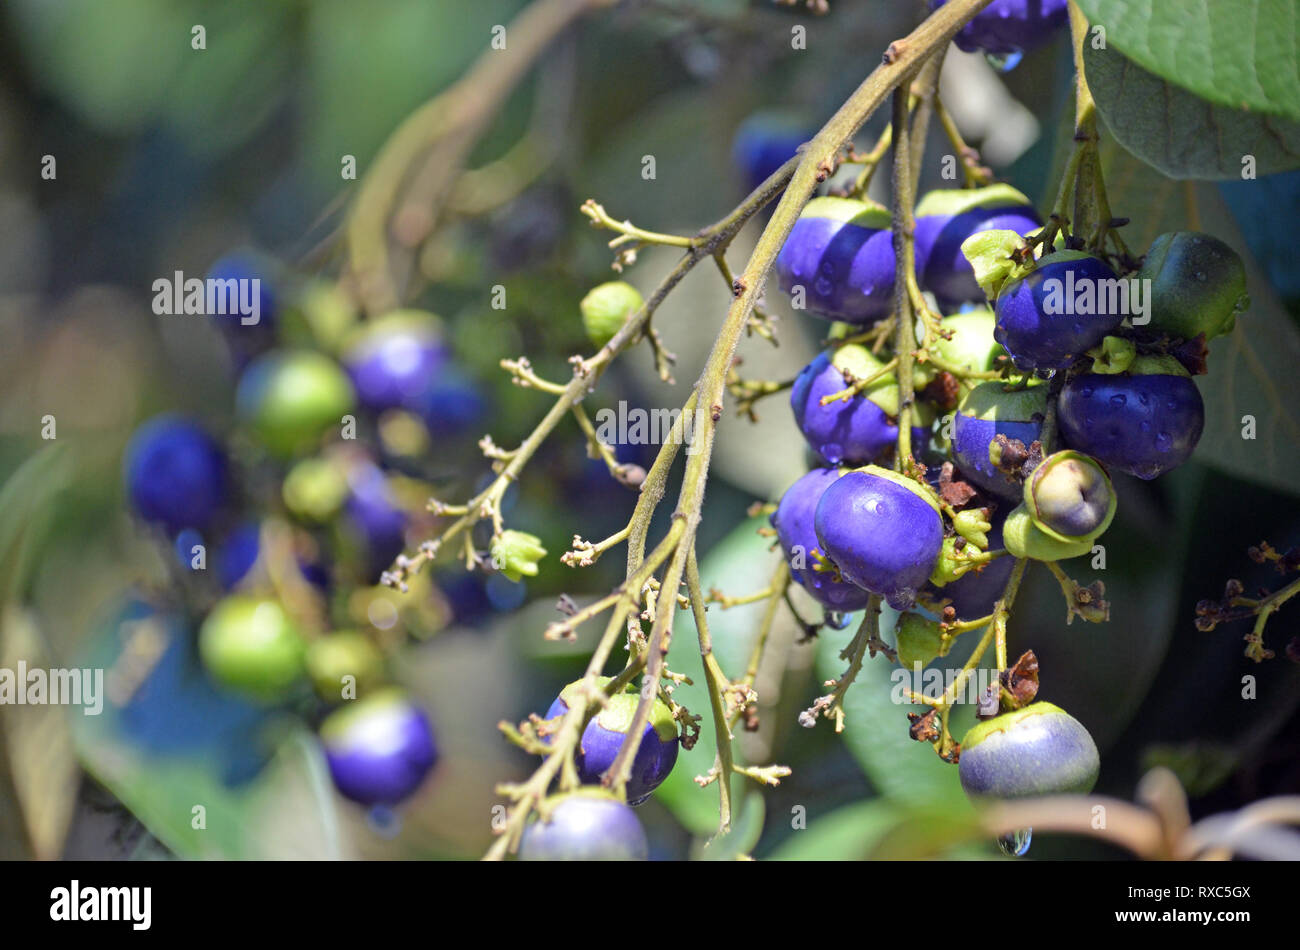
(516, 553)
(1038, 750)
(251, 645)
(919, 640)
(606, 308)
(1198, 284)
(341, 660)
(315, 490)
(290, 399)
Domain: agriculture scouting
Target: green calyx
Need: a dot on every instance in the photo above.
(516, 553)
(918, 640)
(972, 347)
(954, 561)
(1023, 538)
(1158, 366)
(863, 214)
(606, 308)
(620, 709)
(973, 526)
(1112, 355)
(315, 490)
(994, 402)
(1070, 497)
(992, 257)
(1198, 285)
(948, 202)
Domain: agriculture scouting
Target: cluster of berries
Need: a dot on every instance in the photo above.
(338, 513)
(1029, 332)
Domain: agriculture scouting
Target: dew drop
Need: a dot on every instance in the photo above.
(1016, 844)
(1163, 441)
(1144, 426)
(1118, 399)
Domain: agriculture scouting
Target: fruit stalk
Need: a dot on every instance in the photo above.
(901, 62)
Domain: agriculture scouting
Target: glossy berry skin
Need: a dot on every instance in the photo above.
(176, 474)
(1037, 320)
(393, 362)
(585, 825)
(605, 735)
(452, 404)
(1038, 750)
(246, 266)
(374, 515)
(240, 550)
(1144, 425)
(941, 267)
(985, 413)
(251, 645)
(852, 431)
(883, 535)
(793, 521)
(1198, 284)
(289, 398)
(379, 748)
(763, 143)
(841, 253)
(1006, 27)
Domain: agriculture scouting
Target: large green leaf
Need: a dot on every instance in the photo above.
(1239, 53)
(1250, 369)
(876, 731)
(1180, 133)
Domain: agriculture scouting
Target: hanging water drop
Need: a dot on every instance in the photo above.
(1016, 844)
(835, 619)
(383, 821)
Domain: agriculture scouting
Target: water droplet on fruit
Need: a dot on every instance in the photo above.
(823, 285)
(835, 619)
(1163, 440)
(1004, 63)
(874, 506)
(383, 821)
(1016, 844)
(1118, 399)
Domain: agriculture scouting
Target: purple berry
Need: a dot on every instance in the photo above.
(585, 825)
(793, 521)
(176, 474)
(840, 253)
(1007, 27)
(882, 530)
(1062, 309)
(946, 218)
(379, 748)
(1141, 424)
(393, 361)
(857, 430)
(1038, 750)
(375, 516)
(764, 142)
(606, 732)
(986, 412)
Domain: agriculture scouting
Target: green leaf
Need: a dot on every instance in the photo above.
(1251, 368)
(903, 770)
(846, 834)
(1241, 54)
(1180, 133)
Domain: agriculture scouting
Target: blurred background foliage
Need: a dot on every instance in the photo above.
(167, 157)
